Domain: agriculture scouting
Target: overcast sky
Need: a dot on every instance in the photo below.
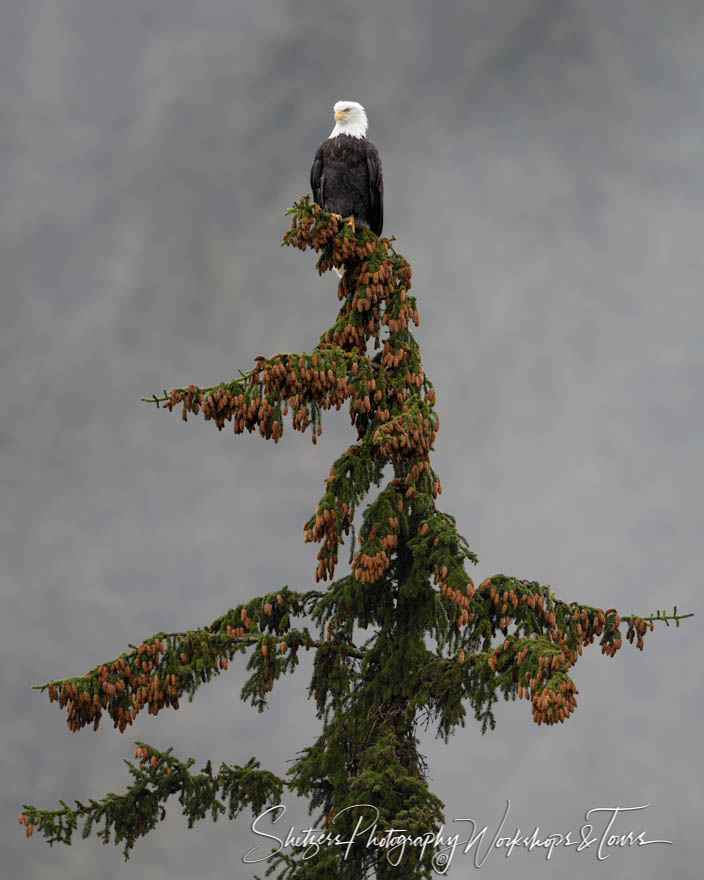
(544, 176)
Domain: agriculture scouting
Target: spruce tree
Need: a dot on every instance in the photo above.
(404, 638)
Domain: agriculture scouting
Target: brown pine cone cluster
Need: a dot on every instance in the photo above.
(541, 665)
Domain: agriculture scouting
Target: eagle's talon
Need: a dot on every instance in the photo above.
(349, 222)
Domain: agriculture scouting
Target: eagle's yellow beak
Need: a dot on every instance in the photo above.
(340, 114)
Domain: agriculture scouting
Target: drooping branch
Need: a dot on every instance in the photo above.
(158, 776)
(546, 638)
(162, 668)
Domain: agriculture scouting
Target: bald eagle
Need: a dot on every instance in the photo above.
(346, 176)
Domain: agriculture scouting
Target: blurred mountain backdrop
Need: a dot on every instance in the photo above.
(544, 176)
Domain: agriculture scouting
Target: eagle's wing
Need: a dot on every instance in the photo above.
(317, 180)
(376, 190)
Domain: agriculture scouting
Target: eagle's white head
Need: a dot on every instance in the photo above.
(350, 118)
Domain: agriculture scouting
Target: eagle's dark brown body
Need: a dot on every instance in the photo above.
(346, 179)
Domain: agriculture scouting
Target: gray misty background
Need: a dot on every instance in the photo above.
(544, 176)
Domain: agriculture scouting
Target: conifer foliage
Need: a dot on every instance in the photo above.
(404, 638)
